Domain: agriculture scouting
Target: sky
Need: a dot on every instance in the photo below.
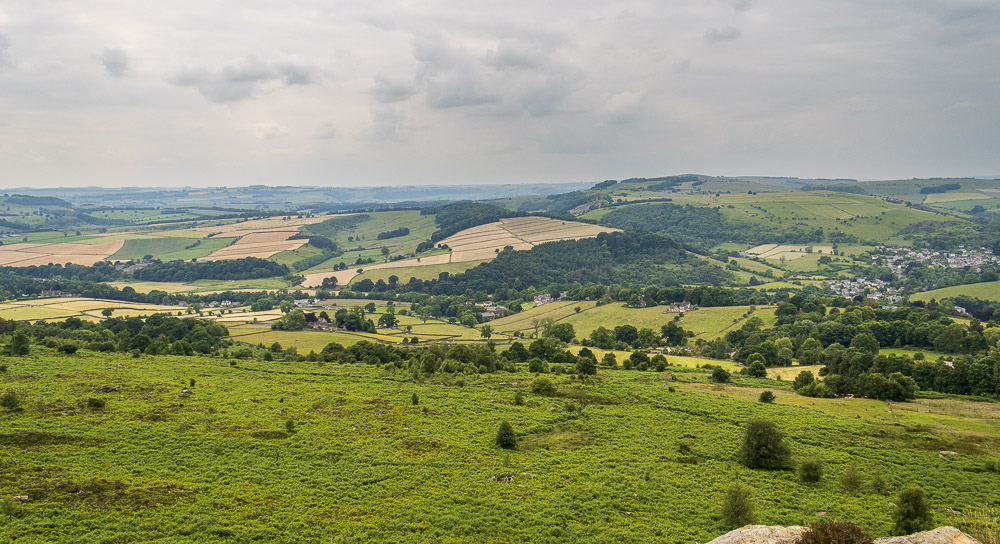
(384, 92)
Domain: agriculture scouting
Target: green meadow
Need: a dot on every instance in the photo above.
(196, 449)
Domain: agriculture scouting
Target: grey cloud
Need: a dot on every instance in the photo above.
(387, 90)
(116, 61)
(742, 5)
(243, 80)
(716, 35)
(326, 131)
(5, 59)
(388, 125)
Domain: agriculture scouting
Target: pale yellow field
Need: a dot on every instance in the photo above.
(59, 253)
(84, 308)
(345, 276)
(269, 223)
(775, 251)
(483, 242)
(952, 197)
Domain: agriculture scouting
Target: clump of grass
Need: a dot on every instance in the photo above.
(983, 523)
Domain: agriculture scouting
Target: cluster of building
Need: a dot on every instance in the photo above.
(547, 298)
(898, 258)
(870, 288)
(490, 310)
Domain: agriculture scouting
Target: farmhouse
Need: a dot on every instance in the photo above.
(682, 307)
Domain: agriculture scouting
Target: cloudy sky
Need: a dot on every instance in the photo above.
(102, 92)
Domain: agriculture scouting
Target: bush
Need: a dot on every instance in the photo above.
(737, 509)
(95, 403)
(764, 446)
(290, 426)
(544, 387)
(835, 532)
(913, 512)
(518, 399)
(755, 369)
(10, 400)
(415, 399)
(811, 471)
(719, 375)
(852, 479)
(767, 397)
(505, 436)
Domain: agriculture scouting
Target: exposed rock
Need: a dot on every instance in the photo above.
(20, 498)
(761, 534)
(110, 388)
(941, 535)
(764, 534)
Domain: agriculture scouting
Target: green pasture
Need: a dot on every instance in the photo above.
(989, 290)
(359, 462)
(405, 273)
(707, 323)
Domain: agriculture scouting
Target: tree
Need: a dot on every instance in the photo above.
(764, 447)
(913, 512)
(803, 379)
(865, 342)
(505, 436)
(387, 320)
(609, 360)
(852, 479)
(20, 345)
(673, 334)
(562, 331)
(107, 312)
(811, 471)
(755, 369)
(486, 331)
(370, 307)
(720, 375)
(10, 401)
(415, 399)
(586, 366)
(766, 397)
(737, 509)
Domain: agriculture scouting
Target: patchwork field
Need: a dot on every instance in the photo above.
(788, 252)
(84, 308)
(28, 254)
(484, 241)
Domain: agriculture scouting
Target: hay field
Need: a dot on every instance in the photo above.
(483, 242)
(935, 198)
(788, 252)
(84, 308)
(28, 254)
(344, 277)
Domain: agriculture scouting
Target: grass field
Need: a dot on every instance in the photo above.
(361, 463)
(86, 308)
(484, 241)
(428, 272)
(989, 290)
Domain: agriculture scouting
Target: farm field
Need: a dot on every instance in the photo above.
(707, 323)
(989, 290)
(423, 272)
(83, 308)
(483, 242)
(788, 252)
(359, 460)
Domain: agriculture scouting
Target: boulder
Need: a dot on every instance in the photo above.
(765, 534)
(761, 534)
(941, 535)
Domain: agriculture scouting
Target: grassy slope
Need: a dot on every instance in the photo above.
(364, 464)
(989, 290)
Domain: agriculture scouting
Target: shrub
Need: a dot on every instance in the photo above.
(10, 400)
(835, 532)
(415, 399)
(290, 426)
(767, 397)
(95, 403)
(811, 471)
(913, 512)
(719, 375)
(755, 369)
(505, 436)
(544, 387)
(518, 399)
(764, 446)
(852, 479)
(737, 509)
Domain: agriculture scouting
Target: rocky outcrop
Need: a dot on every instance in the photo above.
(941, 535)
(761, 534)
(765, 534)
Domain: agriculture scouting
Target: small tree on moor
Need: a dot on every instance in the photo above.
(505, 436)
(764, 446)
(913, 513)
(737, 509)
